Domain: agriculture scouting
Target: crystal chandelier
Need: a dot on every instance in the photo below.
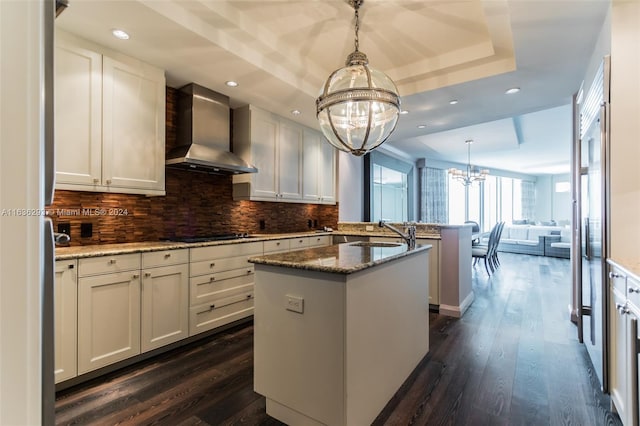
(358, 106)
(472, 173)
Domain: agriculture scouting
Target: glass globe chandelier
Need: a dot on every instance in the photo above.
(358, 107)
(471, 173)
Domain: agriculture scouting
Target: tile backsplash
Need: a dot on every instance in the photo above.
(196, 204)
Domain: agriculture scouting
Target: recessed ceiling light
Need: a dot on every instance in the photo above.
(421, 126)
(121, 34)
(453, 101)
(404, 112)
(231, 83)
(295, 112)
(512, 91)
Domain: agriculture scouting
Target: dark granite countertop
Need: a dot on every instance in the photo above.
(345, 258)
(78, 252)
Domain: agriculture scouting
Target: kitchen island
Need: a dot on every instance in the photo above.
(338, 329)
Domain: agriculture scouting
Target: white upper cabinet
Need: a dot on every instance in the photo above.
(109, 120)
(78, 114)
(291, 160)
(319, 169)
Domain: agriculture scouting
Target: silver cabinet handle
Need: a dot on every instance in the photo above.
(634, 290)
(615, 275)
(622, 309)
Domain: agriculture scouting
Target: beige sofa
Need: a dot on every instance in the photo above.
(528, 239)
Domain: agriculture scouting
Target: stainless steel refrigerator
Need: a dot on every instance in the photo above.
(591, 180)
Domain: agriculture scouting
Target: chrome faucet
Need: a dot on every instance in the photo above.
(409, 236)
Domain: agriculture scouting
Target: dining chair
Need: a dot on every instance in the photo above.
(487, 252)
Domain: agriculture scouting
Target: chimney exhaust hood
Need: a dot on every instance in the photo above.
(204, 134)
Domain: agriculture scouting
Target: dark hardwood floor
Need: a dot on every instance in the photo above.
(513, 359)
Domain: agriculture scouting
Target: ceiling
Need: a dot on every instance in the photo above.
(281, 52)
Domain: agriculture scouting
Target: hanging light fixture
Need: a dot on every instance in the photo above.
(472, 173)
(358, 106)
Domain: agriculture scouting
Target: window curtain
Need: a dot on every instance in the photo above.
(433, 195)
(528, 199)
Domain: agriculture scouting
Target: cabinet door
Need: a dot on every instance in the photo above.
(264, 139)
(289, 160)
(434, 269)
(108, 319)
(65, 320)
(618, 385)
(78, 114)
(133, 102)
(165, 306)
(311, 160)
(327, 173)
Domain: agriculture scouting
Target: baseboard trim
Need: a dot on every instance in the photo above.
(458, 311)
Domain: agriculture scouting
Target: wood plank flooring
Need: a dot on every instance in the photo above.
(513, 359)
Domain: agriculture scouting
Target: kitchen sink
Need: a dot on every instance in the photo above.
(374, 244)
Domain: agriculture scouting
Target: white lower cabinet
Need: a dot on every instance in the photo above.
(221, 285)
(434, 269)
(65, 320)
(108, 314)
(165, 298)
(624, 311)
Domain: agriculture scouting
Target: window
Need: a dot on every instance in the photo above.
(390, 195)
(388, 188)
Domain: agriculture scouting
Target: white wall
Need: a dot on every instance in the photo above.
(544, 198)
(20, 188)
(625, 130)
(350, 187)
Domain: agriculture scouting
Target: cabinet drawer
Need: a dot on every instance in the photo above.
(320, 240)
(618, 280)
(164, 258)
(220, 265)
(299, 243)
(204, 317)
(226, 250)
(276, 246)
(210, 288)
(633, 293)
(108, 264)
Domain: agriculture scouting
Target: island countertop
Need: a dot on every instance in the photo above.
(345, 258)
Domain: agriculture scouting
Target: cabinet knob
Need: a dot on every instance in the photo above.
(167, 255)
(71, 266)
(212, 306)
(135, 276)
(634, 290)
(112, 261)
(108, 181)
(249, 271)
(249, 296)
(147, 274)
(96, 180)
(212, 279)
(615, 275)
(212, 264)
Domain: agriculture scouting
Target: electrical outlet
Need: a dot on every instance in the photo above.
(294, 303)
(368, 227)
(86, 230)
(64, 228)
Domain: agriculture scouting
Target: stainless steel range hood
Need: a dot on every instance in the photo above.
(204, 134)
